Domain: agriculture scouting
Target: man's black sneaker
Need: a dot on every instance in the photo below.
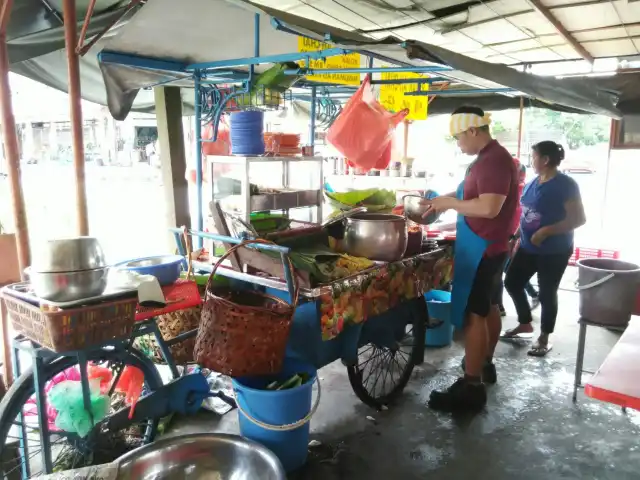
(489, 374)
(462, 396)
(503, 312)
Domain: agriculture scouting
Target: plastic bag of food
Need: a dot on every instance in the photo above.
(221, 147)
(363, 130)
(222, 144)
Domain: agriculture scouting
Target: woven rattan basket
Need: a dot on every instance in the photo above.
(243, 332)
(173, 324)
(72, 329)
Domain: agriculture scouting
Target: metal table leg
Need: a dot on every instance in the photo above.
(582, 337)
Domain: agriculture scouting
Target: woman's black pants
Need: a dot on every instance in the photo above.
(550, 269)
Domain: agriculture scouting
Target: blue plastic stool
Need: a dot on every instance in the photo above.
(439, 307)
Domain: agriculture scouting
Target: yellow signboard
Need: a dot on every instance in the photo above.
(393, 98)
(350, 60)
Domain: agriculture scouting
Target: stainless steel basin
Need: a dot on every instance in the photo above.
(68, 286)
(68, 255)
(201, 456)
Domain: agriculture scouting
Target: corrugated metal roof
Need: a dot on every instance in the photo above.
(501, 31)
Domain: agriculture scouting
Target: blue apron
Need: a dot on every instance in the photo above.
(468, 252)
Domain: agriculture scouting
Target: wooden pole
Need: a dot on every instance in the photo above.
(75, 110)
(520, 126)
(12, 156)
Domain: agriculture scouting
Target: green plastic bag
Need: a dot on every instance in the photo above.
(66, 398)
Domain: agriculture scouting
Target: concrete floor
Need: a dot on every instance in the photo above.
(530, 430)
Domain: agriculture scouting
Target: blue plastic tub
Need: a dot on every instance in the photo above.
(277, 408)
(439, 307)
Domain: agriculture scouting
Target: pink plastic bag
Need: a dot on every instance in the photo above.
(364, 128)
(385, 159)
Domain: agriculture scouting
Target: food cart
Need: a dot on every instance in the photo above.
(376, 314)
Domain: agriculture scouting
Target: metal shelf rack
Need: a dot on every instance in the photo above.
(285, 199)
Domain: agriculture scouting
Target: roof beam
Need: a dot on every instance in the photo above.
(564, 33)
(454, 28)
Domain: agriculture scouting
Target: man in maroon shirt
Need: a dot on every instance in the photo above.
(488, 206)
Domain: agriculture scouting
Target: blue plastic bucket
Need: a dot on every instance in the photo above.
(278, 419)
(439, 307)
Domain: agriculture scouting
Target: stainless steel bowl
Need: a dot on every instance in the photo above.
(68, 255)
(196, 456)
(68, 286)
(376, 236)
(414, 209)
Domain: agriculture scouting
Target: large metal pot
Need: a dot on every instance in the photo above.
(68, 286)
(68, 255)
(202, 455)
(376, 236)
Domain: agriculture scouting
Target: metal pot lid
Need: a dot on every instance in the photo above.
(343, 215)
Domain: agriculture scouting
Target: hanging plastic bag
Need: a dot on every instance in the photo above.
(385, 159)
(221, 147)
(363, 130)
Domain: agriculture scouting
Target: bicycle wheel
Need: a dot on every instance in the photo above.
(68, 450)
(381, 373)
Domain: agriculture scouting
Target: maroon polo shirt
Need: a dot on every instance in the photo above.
(494, 171)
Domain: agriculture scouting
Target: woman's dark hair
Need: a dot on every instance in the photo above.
(471, 109)
(553, 151)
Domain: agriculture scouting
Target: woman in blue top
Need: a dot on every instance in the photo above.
(551, 210)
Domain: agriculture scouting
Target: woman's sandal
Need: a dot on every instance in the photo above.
(512, 335)
(539, 350)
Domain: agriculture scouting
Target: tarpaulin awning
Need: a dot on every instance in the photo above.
(208, 30)
(214, 30)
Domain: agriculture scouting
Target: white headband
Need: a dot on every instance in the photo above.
(461, 122)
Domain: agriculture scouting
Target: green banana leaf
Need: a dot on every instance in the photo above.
(275, 79)
(316, 261)
(375, 199)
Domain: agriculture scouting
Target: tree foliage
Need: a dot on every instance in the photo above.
(578, 130)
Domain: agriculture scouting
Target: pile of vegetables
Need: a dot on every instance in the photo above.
(375, 199)
(326, 266)
(295, 381)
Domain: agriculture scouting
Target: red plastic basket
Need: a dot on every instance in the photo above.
(179, 296)
(580, 253)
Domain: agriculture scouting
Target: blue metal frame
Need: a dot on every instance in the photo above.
(137, 61)
(320, 71)
(198, 139)
(207, 75)
(283, 251)
(257, 60)
(312, 120)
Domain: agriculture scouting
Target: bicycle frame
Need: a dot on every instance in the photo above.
(41, 356)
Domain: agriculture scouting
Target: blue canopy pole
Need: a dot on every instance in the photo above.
(198, 142)
(312, 123)
(256, 41)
